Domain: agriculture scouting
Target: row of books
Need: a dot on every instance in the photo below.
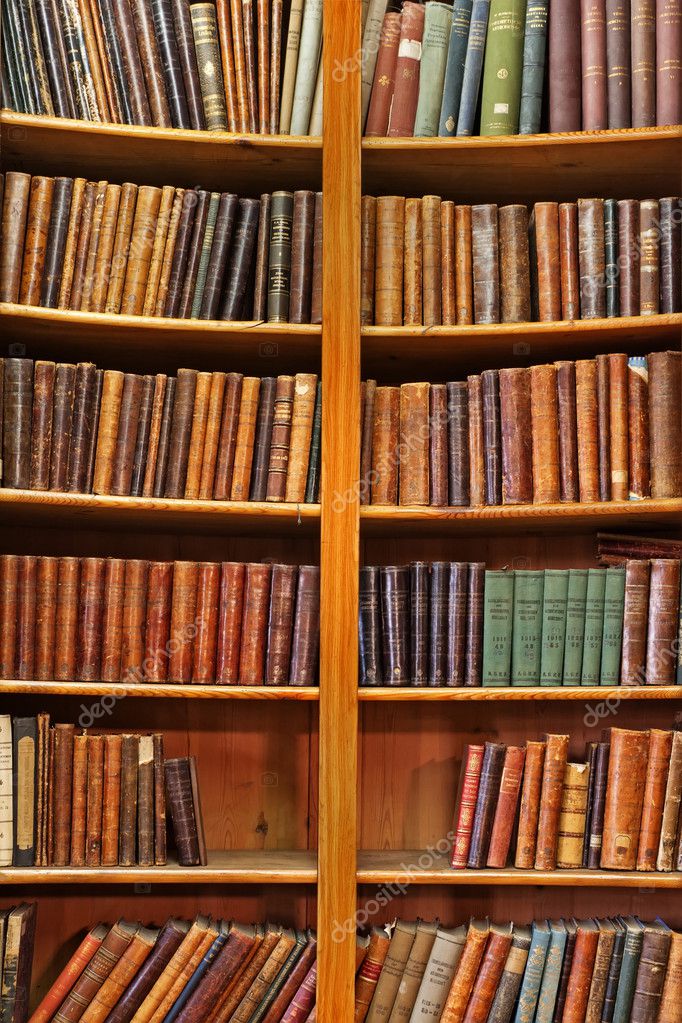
(17, 939)
(170, 63)
(187, 971)
(77, 799)
(455, 623)
(207, 436)
(618, 970)
(134, 621)
(484, 67)
(183, 253)
(425, 261)
(603, 429)
(529, 806)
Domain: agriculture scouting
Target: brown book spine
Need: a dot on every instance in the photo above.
(227, 442)
(548, 260)
(158, 400)
(455, 1006)
(166, 208)
(305, 642)
(112, 619)
(305, 390)
(111, 798)
(145, 801)
(556, 755)
(61, 795)
(367, 399)
(246, 435)
(514, 264)
(671, 248)
(180, 432)
(197, 436)
(280, 624)
(664, 609)
(643, 62)
(280, 438)
(618, 426)
(381, 97)
(669, 1010)
(205, 643)
(232, 578)
(97, 83)
(82, 428)
(260, 286)
(660, 748)
(624, 798)
(15, 205)
(587, 418)
(140, 252)
(163, 447)
(485, 262)
(651, 973)
(91, 609)
(639, 474)
(107, 434)
(476, 442)
(17, 415)
(628, 256)
(649, 257)
(301, 256)
(142, 438)
(488, 978)
(384, 445)
(122, 238)
(580, 980)
(254, 624)
(79, 800)
(82, 245)
(530, 805)
(568, 431)
(183, 621)
(569, 261)
(93, 833)
(209, 459)
(431, 255)
(46, 618)
(70, 244)
(414, 442)
(463, 266)
(35, 242)
(26, 617)
(448, 273)
(665, 423)
(169, 253)
(56, 242)
(67, 619)
(93, 246)
(515, 419)
(316, 287)
(128, 423)
(413, 257)
(62, 413)
(41, 429)
(127, 823)
(134, 617)
(545, 431)
(159, 801)
(390, 241)
(226, 52)
(158, 620)
(507, 802)
(591, 258)
(151, 63)
(181, 810)
(368, 228)
(9, 575)
(438, 445)
(635, 613)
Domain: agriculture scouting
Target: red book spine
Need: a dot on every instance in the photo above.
(112, 619)
(46, 614)
(67, 978)
(134, 616)
(406, 92)
(91, 608)
(230, 622)
(507, 802)
(26, 617)
(464, 818)
(208, 586)
(254, 624)
(157, 630)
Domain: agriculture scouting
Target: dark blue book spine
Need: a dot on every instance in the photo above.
(193, 982)
(170, 58)
(611, 256)
(454, 69)
(532, 78)
(473, 67)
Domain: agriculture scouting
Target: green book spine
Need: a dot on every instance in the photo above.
(207, 243)
(498, 610)
(527, 627)
(612, 639)
(632, 951)
(575, 625)
(435, 43)
(554, 626)
(503, 68)
(594, 626)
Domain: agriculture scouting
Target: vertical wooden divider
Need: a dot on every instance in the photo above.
(339, 549)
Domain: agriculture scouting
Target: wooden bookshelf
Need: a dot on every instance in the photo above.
(295, 781)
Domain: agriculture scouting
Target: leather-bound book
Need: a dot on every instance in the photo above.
(145, 801)
(419, 622)
(209, 455)
(24, 761)
(504, 1000)
(41, 428)
(159, 800)
(651, 972)
(571, 828)
(431, 255)
(169, 248)
(545, 434)
(643, 56)
(547, 255)
(92, 447)
(406, 90)
(298, 990)
(301, 256)
(230, 622)
(222, 484)
(82, 427)
(447, 248)
(93, 829)
(119, 254)
(514, 264)
(611, 255)
(618, 63)
(46, 615)
(56, 242)
(587, 415)
(649, 257)
(485, 263)
(82, 244)
(670, 996)
(111, 799)
(133, 618)
(613, 972)
(618, 425)
(172, 978)
(17, 416)
(195, 285)
(245, 439)
(384, 444)
(370, 628)
(595, 824)
(112, 619)
(566, 967)
(239, 270)
(127, 827)
(190, 256)
(205, 641)
(95, 974)
(665, 423)
(368, 226)
(384, 77)
(568, 431)
(158, 249)
(438, 445)
(262, 440)
(197, 436)
(154, 434)
(556, 755)
(370, 972)
(629, 256)
(35, 242)
(664, 606)
(193, 208)
(66, 619)
(228, 959)
(134, 76)
(565, 67)
(280, 624)
(306, 635)
(367, 399)
(214, 265)
(670, 250)
(635, 614)
(465, 805)
(180, 432)
(313, 477)
(394, 624)
(90, 612)
(464, 295)
(569, 261)
(438, 622)
(671, 806)
(582, 968)
(591, 258)
(12, 233)
(467, 972)
(262, 254)
(458, 442)
(9, 574)
(170, 62)
(188, 62)
(181, 811)
(660, 748)
(389, 979)
(414, 440)
(486, 802)
(183, 613)
(593, 46)
(516, 433)
(624, 798)
(316, 285)
(159, 956)
(389, 269)
(474, 650)
(413, 973)
(279, 265)
(164, 439)
(492, 442)
(412, 260)
(89, 277)
(142, 438)
(254, 624)
(123, 972)
(61, 795)
(489, 975)
(507, 802)
(79, 796)
(530, 805)
(108, 429)
(26, 617)
(266, 940)
(70, 974)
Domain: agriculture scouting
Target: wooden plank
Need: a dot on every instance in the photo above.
(382, 694)
(160, 691)
(340, 528)
(153, 156)
(528, 168)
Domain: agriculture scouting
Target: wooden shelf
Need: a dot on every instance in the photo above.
(159, 690)
(377, 694)
(156, 514)
(250, 164)
(390, 353)
(628, 163)
(151, 343)
(385, 520)
(260, 866)
(403, 865)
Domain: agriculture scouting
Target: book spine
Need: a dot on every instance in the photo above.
(635, 612)
(306, 636)
(614, 595)
(222, 485)
(370, 627)
(466, 808)
(170, 62)
(406, 90)
(649, 257)
(158, 483)
(254, 624)
(555, 600)
(665, 418)
(569, 261)
(505, 811)
(280, 624)
(438, 622)
(643, 52)
(94, 801)
(454, 69)
(67, 619)
(207, 45)
(594, 68)
(46, 612)
(312, 487)
(578, 991)
(142, 438)
(240, 263)
(458, 442)
(316, 286)
(618, 78)
(197, 437)
(182, 621)
(464, 295)
(438, 445)
(587, 418)
(112, 55)
(306, 69)
(91, 609)
(651, 974)
(533, 73)
(279, 269)
(209, 459)
(435, 44)
(529, 806)
(564, 67)
(611, 256)
(550, 802)
(384, 445)
(516, 434)
(473, 67)
(447, 247)
(591, 258)
(545, 434)
(526, 638)
(413, 258)
(41, 426)
(475, 601)
(16, 198)
(390, 234)
(180, 432)
(568, 430)
(112, 619)
(548, 259)
(414, 441)
(244, 445)
(486, 279)
(301, 256)
(664, 605)
(158, 620)
(660, 749)
(181, 810)
(394, 624)
(670, 253)
(624, 798)
(68, 977)
(384, 77)
(571, 827)
(205, 642)
(26, 618)
(61, 796)
(502, 72)
(230, 616)
(488, 790)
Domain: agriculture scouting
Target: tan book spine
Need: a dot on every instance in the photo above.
(385, 444)
(134, 616)
(160, 384)
(105, 249)
(119, 257)
(588, 430)
(35, 242)
(93, 832)
(46, 617)
(368, 230)
(140, 252)
(91, 49)
(158, 249)
(476, 443)
(544, 410)
(93, 245)
(82, 245)
(390, 243)
(121, 976)
(79, 797)
(183, 624)
(413, 257)
(514, 264)
(414, 444)
(16, 192)
(618, 426)
(223, 19)
(447, 258)
(305, 389)
(168, 253)
(290, 64)
(571, 831)
(464, 267)
(529, 809)
(202, 396)
(655, 783)
(548, 260)
(107, 434)
(556, 755)
(149, 1009)
(212, 436)
(77, 196)
(431, 266)
(246, 433)
(111, 798)
(671, 807)
(624, 798)
(184, 974)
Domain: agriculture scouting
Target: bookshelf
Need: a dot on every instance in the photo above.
(296, 780)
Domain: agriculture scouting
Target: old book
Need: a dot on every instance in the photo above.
(545, 434)
(23, 789)
(431, 256)
(473, 67)
(530, 805)
(554, 609)
(665, 401)
(370, 628)
(547, 256)
(12, 231)
(70, 974)
(550, 801)
(671, 807)
(438, 445)
(631, 955)
(381, 96)
(41, 426)
(569, 261)
(624, 798)
(565, 67)
(384, 444)
(527, 624)
(94, 804)
(456, 649)
(368, 222)
(313, 479)
(447, 249)
(542, 974)
(111, 798)
(35, 241)
(594, 627)
(485, 262)
(584, 956)
(614, 968)
(82, 427)
(614, 596)
(571, 828)
(267, 939)
(182, 621)
(497, 628)
(254, 624)
(61, 794)
(205, 622)
(17, 961)
(475, 602)
(79, 796)
(490, 973)
(56, 241)
(17, 416)
(392, 971)
(464, 296)
(419, 620)
(459, 441)
(587, 418)
(245, 241)
(635, 613)
(467, 797)
(301, 256)
(618, 64)
(435, 44)
(504, 1000)
(660, 749)
(128, 804)
(26, 617)
(99, 968)
(280, 624)
(141, 246)
(414, 438)
(305, 639)
(145, 801)
(305, 389)
(6, 800)
(651, 972)
(438, 622)
(413, 259)
(108, 429)
(205, 31)
(245, 438)
(670, 243)
(664, 604)
(467, 970)
(67, 619)
(505, 811)
(279, 267)
(230, 622)
(591, 258)
(406, 89)
(492, 443)
(669, 1003)
(486, 802)
(594, 70)
(643, 57)
(649, 257)
(514, 264)
(595, 823)
(9, 574)
(181, 810)
(394, 624)
(639, 479)
(47, 571)
(390, 227)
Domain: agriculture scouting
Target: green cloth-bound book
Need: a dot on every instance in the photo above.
(527, 627)
(553, 626)
(612, 638)
(435, 43)
(503, 68)
(594, 626)
(575, 626)
(498, 609)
